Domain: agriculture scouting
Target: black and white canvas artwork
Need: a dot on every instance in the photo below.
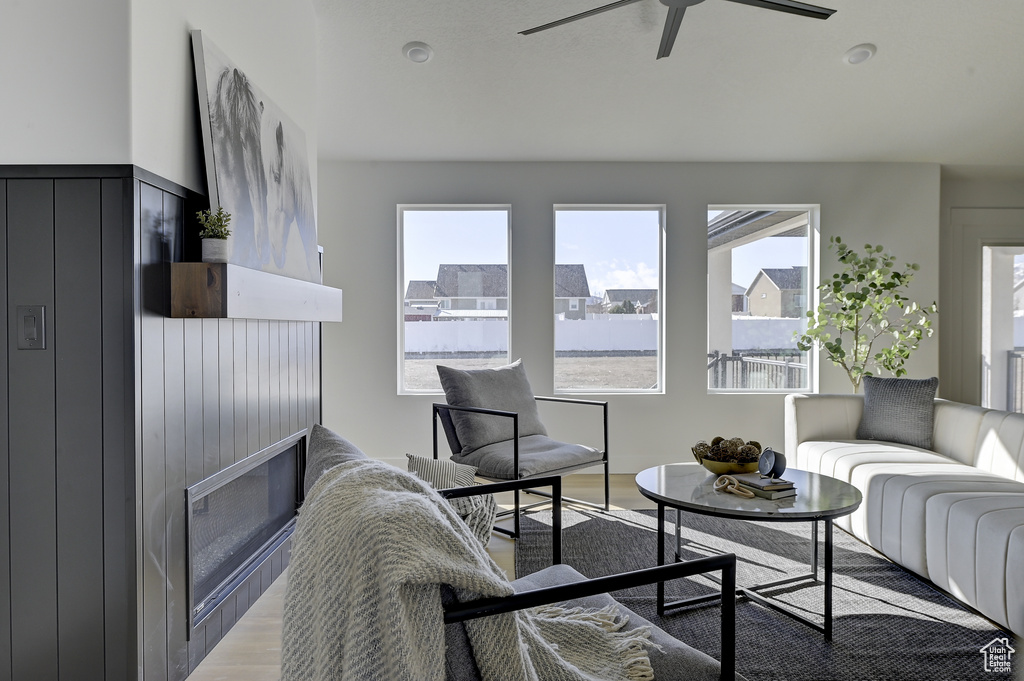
(257, 169)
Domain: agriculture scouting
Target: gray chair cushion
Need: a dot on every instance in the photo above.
(505, 388)
(326, 449)
(538, 454)
(900, 410)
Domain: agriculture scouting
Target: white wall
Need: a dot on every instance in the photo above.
(64, 82)
(273, 41)
(988, 188)
(112, 81)
(893, 204)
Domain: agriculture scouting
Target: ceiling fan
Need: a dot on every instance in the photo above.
(676, 8)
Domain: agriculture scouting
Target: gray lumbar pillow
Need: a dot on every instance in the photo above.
(899, 410)
(505, 388)
(326, 449)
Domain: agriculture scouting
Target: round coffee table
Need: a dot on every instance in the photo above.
(689, 487)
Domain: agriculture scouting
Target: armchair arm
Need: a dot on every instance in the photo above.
(552, 481)
(595, 403)
(484, 607)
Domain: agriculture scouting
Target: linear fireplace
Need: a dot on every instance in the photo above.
(239, 517)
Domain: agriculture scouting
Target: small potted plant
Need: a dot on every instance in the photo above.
(214, 234)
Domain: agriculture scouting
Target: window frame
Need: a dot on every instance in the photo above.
(813, 255)
(401, 209)
(662, 211)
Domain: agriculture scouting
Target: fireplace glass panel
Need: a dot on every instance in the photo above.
(232, 523)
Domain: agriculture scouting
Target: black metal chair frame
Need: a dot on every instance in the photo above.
(515, 510)
(485, 607)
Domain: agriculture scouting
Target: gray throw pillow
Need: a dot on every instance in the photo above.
(477, 511)
(900, 410)
(504, 388)
(326, 449)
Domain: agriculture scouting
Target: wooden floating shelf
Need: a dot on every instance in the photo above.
(225, 291)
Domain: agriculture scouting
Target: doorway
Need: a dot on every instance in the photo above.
(979, 336)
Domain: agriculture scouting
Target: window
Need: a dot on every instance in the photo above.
(457, 257)
(760, 273)
(609, 284)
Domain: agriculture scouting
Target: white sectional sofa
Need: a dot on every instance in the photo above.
(953, 514)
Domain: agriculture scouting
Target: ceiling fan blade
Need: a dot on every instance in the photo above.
(581, 15)
(668, 36)
(790, 7)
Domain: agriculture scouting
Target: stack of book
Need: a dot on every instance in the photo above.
(768, 488)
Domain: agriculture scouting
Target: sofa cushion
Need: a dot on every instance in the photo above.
(898, 410)
(538, 454)
(503, 388)
(984, 537)
(326, 449)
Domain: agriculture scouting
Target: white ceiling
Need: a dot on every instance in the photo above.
(742, 83)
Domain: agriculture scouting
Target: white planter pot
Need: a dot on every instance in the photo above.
(215, 250)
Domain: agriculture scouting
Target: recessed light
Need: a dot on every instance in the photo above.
(859, 54)
(417, 52)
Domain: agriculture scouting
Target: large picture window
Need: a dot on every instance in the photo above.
(453, 296)
(608, 298)
(760, 283)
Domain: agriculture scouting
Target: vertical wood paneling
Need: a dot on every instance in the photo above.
(293, 378)
(78, 342)
(118, 359)
(226, 400)
(300, 357)
(274, 356)
(154, 488)
(198, 427)
(5, 518)
(318, 414)
(252, 384)
(123, 410)
(210, 393)
(311, 390)
(183, 442)
(263, 357)
(286, 400)
(239, 394)
(32, 473)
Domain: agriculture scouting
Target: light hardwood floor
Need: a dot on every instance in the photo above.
(251, 651)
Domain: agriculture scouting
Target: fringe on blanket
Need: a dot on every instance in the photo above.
(629, 649)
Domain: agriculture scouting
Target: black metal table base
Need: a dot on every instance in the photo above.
(753, 593)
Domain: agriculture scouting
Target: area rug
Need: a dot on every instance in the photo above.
(887, 623)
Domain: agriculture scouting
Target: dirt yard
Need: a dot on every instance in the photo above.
(571, 373)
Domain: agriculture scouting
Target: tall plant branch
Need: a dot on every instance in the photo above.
(861, 301)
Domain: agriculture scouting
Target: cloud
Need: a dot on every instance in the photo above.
(639, 276)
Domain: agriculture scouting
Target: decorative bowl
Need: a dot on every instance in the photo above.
(724, 467)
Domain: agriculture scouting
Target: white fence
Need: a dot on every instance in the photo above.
(609, 333)
(765, 333)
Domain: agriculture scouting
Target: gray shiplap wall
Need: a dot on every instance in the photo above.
(102, 431)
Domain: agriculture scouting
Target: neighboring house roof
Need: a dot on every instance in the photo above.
(491, 281)
(472, 281)
(420, 289)
(784, 278)
(620, 295)
(737, 290)
(571, 282)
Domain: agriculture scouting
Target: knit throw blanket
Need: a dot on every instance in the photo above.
(371, 548)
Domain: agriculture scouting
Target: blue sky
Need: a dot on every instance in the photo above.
(618, 247)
